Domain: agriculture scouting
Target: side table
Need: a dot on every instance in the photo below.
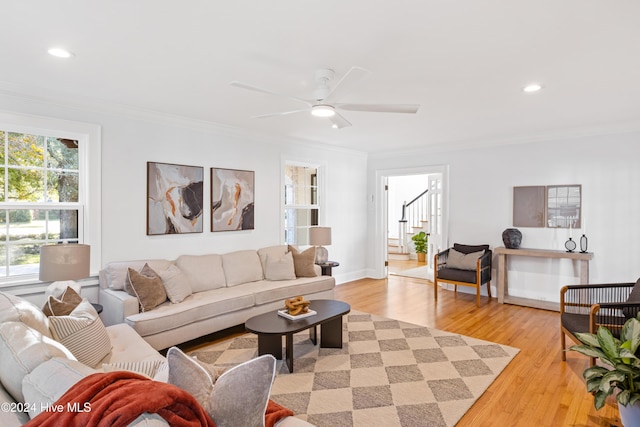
(327, 267)
(98, 307)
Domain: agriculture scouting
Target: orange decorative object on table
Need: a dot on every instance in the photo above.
(297, 305)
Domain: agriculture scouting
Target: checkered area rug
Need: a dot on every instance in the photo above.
(388, 373)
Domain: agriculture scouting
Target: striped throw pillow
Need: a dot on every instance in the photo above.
(147, 368)
(82, 333)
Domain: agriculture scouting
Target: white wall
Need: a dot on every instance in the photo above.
(402, 189)
(481, 183)
(131, 138)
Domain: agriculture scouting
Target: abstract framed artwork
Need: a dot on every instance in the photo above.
(529, 206)
(232, 199)
(174, 198)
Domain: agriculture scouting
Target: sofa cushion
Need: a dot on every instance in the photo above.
(22, 349)
(176, 283)
(280, 267)
(463, 261)
(116, 272)
(304, 262)
(266, 291)
(146, 286)
(242, 267)
(148, 368)
(199, 306)
(16, 309)
(124, 339)
(62, 305)
(50, 380)
(205, 272)
(83, 333)
(457, 275)
(240, 395)
(274, 251)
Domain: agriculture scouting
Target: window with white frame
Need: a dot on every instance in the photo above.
(301, 202)
(40, 198)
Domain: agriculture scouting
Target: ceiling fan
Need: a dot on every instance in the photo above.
(325, 99)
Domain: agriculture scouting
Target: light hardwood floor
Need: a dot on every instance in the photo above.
(536, 389)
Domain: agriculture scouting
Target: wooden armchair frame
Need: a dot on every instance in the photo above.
(483, 274)
(584, 308)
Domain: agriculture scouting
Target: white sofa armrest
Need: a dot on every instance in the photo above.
(117, 305)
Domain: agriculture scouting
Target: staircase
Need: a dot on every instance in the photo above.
(401, 248)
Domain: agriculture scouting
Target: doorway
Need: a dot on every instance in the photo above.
(429, 185)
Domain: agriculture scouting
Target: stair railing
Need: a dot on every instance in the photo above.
(412, 215)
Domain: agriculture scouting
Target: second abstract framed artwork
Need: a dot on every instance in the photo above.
(232, 199)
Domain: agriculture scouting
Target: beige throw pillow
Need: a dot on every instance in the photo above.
(147, 286)
(304, 261)
(176, 284)
(280, 268)
(462, 261)
(64, 305)
(83, 333)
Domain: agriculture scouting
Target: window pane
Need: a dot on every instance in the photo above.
(295, 217)
(25, 185)
(301, 185)
(62, 186)
(62, 153)
(26, 150)
(3, 226)
(2, 170)
(24, 259)
(2, 137)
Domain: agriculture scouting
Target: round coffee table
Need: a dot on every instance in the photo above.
(270, 327)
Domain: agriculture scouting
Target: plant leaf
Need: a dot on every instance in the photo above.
(600, 398)
(593, 384)
(623, 397)
(608, 343)
(588, 351)
(593, 372)
(588, 339)
(627, 369)
(631, 332)
(635, 397)
(611, 377)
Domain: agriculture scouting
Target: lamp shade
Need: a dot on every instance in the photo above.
(67, 261)
(319, 236)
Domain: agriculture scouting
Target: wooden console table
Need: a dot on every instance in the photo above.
(503, 286)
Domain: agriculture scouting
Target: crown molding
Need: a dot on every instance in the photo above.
(49, 97)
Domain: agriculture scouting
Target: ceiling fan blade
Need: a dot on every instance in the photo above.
(338, 121)
(268, 92)
(381, 108)
(353, 76)
(283, 113)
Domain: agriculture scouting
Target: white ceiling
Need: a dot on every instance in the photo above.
(464, 61)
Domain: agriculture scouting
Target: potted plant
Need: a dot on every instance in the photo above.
(623, 373)
(420, 244)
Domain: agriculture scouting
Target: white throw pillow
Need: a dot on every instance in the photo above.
(240, 395)
(83, 333)
(16, 309)
(22, 349)
(280, 268)
(462, 261)
(175, 283)
(50, 380)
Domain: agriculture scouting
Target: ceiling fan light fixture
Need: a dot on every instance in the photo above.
(533, 87)
(60, 53)
(323, 111)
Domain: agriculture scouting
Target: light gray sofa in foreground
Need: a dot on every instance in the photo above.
(36, 369)
(224, 291)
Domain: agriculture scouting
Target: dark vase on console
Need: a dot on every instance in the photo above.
(512, 237)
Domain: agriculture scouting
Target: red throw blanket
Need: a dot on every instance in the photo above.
(117, 398)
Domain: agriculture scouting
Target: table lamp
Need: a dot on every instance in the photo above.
(319, 236)
(62, 264)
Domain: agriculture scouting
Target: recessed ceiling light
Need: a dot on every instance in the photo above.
(60, 53)
(335, 126)
(323, 111)
(533, 87)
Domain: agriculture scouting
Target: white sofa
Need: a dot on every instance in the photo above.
(43, 365)
(226, 290)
